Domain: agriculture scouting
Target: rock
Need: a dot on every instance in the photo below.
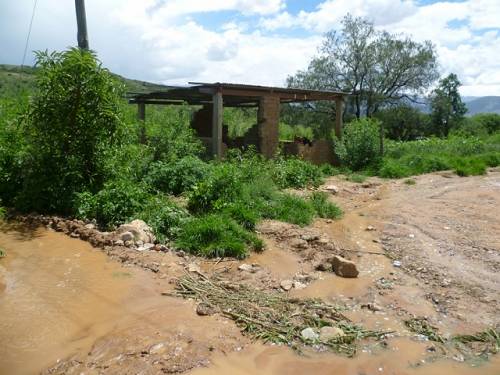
(324, 266)
(396, 263)
(119, 243)
(181, 253)
(309, 334)
(328, 333)
(192, 267)
(309, 237)
(140, 231)
(372, 307)
(205, 309)
(90, 226)
(245, 267)
(332, 189)
(343, 267)
(286, 285)
(146, 247)
(139, 243)
(299, 243)
(370, 228)
(157, 348)
(128, 243)
(126, 236)
(299, 285)
(74, 235)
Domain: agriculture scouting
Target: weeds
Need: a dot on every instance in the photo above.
(323, 207)
(2, 253)
(410, 181)
(272, 317)
(358, 178)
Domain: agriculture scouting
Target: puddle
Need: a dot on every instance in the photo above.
(399, 358)
(280, 262)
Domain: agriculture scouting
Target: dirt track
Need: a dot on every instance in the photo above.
(430, 249)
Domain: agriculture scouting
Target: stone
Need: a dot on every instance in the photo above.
(139, 243)
(146, 247)
(245, 267)
(192, 267)
(128, 243)
(74, 235)
(324, 266)
(299, 285)
(328, 333)
(90, 226)
(370, 228)
(299, 243)
(309, 237)
(396, 263)
(343, 267)
(286, 285)
(127, 236)
(119, 243)
(309, 334)
(204, 309)
(140, 231)
(332, 189)
(159, 348)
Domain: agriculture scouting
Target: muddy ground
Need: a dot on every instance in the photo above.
(430, 249)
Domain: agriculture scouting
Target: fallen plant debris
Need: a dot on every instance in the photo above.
(480, 344)
(275, 318)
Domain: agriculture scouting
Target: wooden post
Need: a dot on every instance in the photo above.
(141, 116)
(81, 21)
(217, 125)
(339, 111)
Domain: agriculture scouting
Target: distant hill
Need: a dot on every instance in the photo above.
(14, 80)
(483, 104)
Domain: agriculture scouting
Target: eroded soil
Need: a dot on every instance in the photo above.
(431, 250)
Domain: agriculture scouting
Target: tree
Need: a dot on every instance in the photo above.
(71, 126)
(404, 122)
(448, 110)
(375, 67)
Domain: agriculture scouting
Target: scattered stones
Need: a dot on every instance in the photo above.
(146, 247)
(343, 267)
(310, 237)
(327, 333)
(74, 235)
(119, 243)
(286, 285)
(370, 228)
(299, 285)
(299, 243)
(309, 334)
(324, 266)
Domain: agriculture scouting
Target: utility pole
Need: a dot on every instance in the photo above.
(81, 20)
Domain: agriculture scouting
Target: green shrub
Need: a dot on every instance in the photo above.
(72, 122)
(217, 235)
(323, 207)
(360, 144)
(410, 181)
(391, 168)
(244, 215)
(291, 209)
(296, 173)
(163, 216)
(356, 177)
(178, 176)
(470, 167)
(115, 204)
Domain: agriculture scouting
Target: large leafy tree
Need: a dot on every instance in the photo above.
(448, 110)
(375, 67)
(71, 126)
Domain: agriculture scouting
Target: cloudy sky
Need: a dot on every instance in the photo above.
(250, 41)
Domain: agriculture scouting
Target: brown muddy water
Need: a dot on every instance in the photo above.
(57, 296)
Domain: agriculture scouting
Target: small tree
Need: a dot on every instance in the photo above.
(71, 125)
(404, 122)
(448, 110)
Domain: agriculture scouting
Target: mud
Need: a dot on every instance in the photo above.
(430, 249)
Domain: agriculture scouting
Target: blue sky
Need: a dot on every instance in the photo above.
(251, 41)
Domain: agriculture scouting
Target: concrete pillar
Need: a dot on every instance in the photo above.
(268, 118)
(339, 111)
(141, 116)
(217, 125)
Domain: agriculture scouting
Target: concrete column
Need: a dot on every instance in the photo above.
(217, 125)
(268, 118)
(339, 111)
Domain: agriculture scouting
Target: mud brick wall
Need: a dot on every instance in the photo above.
(320, 152)
(268, 122)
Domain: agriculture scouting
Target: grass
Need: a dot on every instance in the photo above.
(273, 317)
(410, 181)
(358, 178)
(2, 253)
(323, 207)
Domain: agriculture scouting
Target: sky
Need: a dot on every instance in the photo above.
(250, 41)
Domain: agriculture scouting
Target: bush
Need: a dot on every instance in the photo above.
(296, 173)
(115, 204)
(391, 168)
(178, 176)
(323, 207)
(164, 217)
(291, 209)
(360, 144)
(216, 235)
(72, 121)
(470, 167)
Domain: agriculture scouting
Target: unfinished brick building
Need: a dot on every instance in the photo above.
(213, 97)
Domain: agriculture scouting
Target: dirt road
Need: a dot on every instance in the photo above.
(429, 249)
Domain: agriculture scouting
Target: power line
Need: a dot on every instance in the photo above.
(29, 32)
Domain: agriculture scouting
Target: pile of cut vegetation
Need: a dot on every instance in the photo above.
(275, 318)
